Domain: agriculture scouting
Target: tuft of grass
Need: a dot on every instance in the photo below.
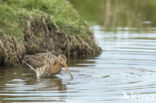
(60, 12)
(9, 22)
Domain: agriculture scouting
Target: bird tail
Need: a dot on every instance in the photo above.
(28, 65)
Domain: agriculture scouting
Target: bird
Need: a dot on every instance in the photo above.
(46, 64)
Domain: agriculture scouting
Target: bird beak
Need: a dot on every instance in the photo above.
(67, 69)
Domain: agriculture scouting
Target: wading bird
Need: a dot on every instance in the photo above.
(46, 64)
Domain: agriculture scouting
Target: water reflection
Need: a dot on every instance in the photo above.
(118, 13)
(126, 64)
(54, 83)
(18, 83)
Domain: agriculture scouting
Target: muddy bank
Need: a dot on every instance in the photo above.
(37, 31)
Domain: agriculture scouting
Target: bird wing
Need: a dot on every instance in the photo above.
(29, 65)
(40, 59)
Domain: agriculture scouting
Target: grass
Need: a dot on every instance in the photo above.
(9, 24)
(59, 12)
(32, 26)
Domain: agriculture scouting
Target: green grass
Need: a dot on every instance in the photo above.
(15, 13)
(32, 26)
(9, 23)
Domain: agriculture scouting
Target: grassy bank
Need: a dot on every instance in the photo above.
(32, 26)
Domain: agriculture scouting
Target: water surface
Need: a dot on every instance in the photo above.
(124, 72)
(126, 65)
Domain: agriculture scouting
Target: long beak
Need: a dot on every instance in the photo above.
(67, 70)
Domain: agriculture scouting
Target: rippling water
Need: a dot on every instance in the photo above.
(124, 72)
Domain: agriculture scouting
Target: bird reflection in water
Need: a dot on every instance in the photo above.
(53, 83)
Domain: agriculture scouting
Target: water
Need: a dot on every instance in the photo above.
(123, 73)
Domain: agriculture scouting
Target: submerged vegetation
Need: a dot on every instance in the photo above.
(32, 26)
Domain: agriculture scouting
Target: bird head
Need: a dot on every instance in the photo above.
(63, 60)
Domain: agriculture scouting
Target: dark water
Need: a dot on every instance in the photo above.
(124, 72)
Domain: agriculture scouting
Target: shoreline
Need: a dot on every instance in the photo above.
(31, 27)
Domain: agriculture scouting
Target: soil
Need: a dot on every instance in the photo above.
(39, 37)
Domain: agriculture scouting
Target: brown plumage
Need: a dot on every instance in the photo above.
(46, 64)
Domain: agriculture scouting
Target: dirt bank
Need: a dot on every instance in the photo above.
(29, 30)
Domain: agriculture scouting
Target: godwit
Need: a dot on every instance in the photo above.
(46, 64)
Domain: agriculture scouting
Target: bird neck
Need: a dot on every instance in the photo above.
(57, 68)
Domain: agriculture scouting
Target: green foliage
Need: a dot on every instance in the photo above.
(60, 12)
(9, 22)
(32, 26)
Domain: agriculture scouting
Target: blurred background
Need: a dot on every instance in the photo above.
(118, 13)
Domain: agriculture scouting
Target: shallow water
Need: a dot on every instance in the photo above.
(124, 72)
